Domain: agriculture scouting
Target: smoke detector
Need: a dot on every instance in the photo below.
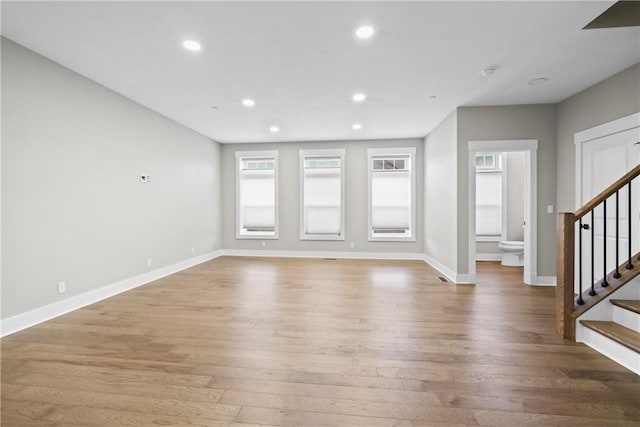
(488, 72)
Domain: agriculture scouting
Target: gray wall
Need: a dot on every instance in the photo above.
(440, 227)
(356, 193)
(613, 98)
(72, 207)
(515, 195)
(503, 123)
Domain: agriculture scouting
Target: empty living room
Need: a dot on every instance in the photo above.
(320, 213)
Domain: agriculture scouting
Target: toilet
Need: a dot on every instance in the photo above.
(513, 253)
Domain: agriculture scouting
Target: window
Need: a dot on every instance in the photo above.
(257, 194)
(391, 194)
(322, 194)
(489, 197)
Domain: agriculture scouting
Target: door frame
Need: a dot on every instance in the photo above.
(530, 148)
(615, 126)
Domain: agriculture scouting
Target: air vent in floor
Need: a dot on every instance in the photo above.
(442, 279)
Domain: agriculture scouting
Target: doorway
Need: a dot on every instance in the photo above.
(529, 147)
(603, 154)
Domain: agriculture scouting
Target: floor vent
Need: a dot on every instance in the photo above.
(443, 280)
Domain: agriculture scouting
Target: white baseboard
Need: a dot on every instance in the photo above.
(30, 318)
(323, 254)
(544, 281)
(488, 257)
(446, 271)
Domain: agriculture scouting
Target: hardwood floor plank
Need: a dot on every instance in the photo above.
(107, 372)
(286, 417)
(329, 391)
(500, 418)
(164, 407)
(117, 386)
(360, 408)
(321, 378)
(311, 342)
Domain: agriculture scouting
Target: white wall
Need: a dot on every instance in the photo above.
(356, 198)
(613, 98)
(440, 228)
(73, 209)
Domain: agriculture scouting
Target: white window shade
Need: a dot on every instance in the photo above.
(489, 203)
(258, 196)
(391, 201)
(322, 201)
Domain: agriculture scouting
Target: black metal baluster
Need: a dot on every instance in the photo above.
(629, 265)
(617, 273)
(604, 244)
(580, 301)
(592, 291)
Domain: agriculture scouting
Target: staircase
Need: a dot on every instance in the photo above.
(613, 326)
(606, 316)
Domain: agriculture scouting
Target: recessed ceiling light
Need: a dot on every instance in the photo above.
(359, 97)
(364, 32)
(248, 102)
(538, 81)
(191, 45)
(356, 126)
(274, 129)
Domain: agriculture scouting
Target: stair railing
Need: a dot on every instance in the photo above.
(603, 282)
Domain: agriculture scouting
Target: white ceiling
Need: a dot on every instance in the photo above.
(301, 62)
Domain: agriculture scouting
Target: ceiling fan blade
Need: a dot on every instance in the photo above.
(621, 14)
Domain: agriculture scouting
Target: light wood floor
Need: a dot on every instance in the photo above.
(245, 341)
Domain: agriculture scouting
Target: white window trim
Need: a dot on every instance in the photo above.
(401, 151)
(503, 235)
(257, 154)
(322, 153)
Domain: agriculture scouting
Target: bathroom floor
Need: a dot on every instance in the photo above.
(495, 272)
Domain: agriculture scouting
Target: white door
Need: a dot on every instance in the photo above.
(605, 160)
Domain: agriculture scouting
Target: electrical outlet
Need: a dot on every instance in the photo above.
(148, 262)
(264, 244)
(352, 245)
(193, 251)
(62, 287)
(549, 208)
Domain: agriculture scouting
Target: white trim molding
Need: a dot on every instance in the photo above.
(488, 257)
(454, 277)
(619, 125)
(38, 315)
(543, 281)
(615, 126)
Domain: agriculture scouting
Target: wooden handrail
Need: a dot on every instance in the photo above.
(610, 190)
(566, 309)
